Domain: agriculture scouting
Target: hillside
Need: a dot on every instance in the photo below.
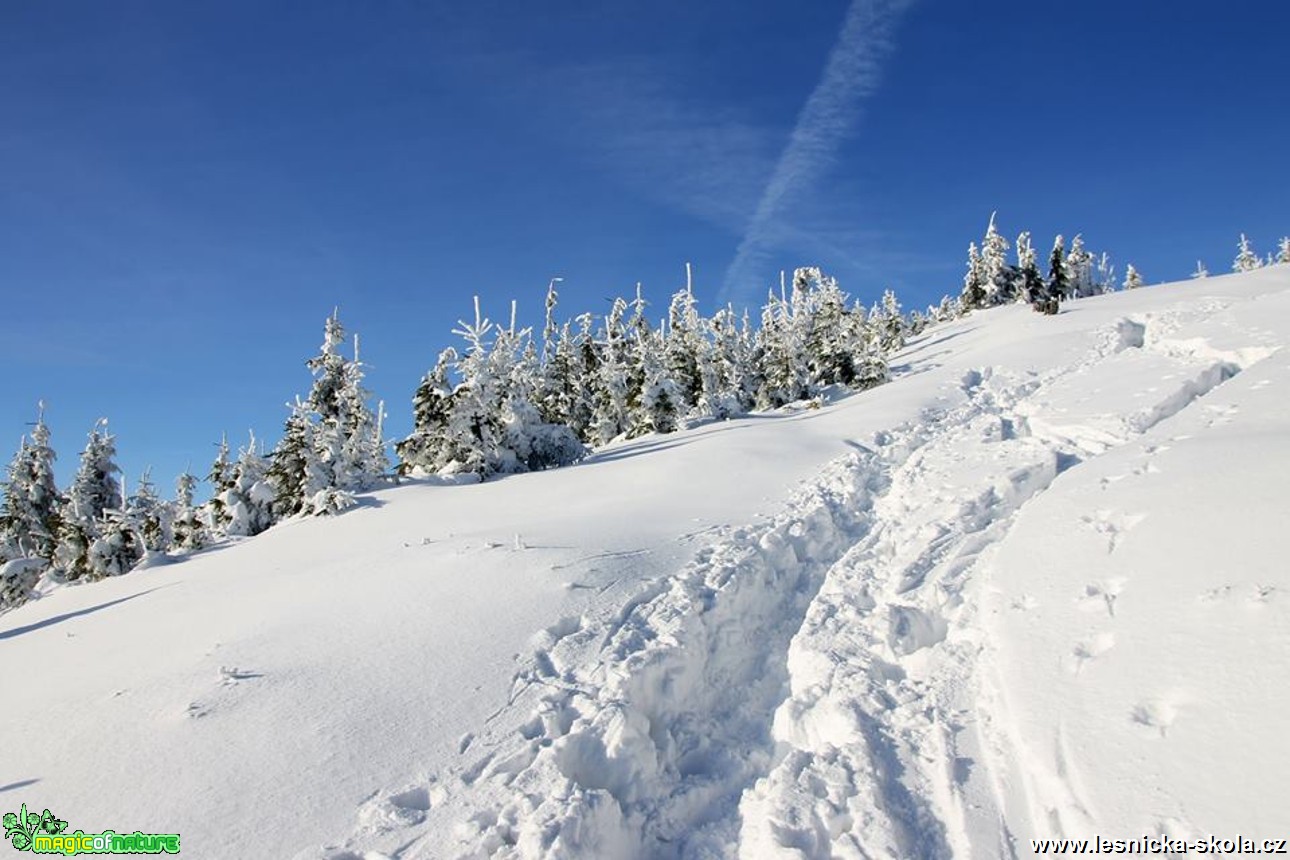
(1032, 588)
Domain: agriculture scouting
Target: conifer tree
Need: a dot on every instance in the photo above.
(94, 491)
(682, 345)
(892, 325)
(1030, 282)
(833, 345)
(346, 439)
(1132, 280)
(1105, 282)
(1201, 271)
(779, 357)
(189, 532)
(1079, 270)
(1058, 287)
(1283, 250)
(1246, 260)
(529, 442)
(149, 517)
(973, 295)
(117, 547)
(295, 470)
(29, 513)
(220, 478)
(996, 274)
(732, 351)
(584, 364)
(610, 413)
(661, 403)
(431, 412)
(249, 499)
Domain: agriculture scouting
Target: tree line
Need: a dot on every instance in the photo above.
(508, 400)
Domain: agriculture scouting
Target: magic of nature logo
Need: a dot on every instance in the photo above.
(46, 834)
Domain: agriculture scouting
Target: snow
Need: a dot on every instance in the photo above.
(1032, 588)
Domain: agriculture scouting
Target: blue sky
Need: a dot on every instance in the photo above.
(189, 188)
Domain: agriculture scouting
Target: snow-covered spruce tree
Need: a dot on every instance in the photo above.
(947, 310)
(1201, 271)
(996, 275)
(220, 478)
(117, 548)
(295, 470)
(248, 501)
(528, 443)
(346, 433)
(683, 344)
(431, 412)
(1030, 283)
(834, 342)
(661, 401)
(1057, 288)
(586, 365)
(1132, 280)
(18, 579)
(472, 439)
(610, 413)
(871, 366)
(150, 517)
(1246, 260)
(973, 295)
(94, 491)
(365, 464)
(30, 506)
(1283, 250)
(1104, 280)
(1079, 270)
(716, 396)
(188, 530)
(732, 360)
(779, 358)
(892, 324)
(916, 321)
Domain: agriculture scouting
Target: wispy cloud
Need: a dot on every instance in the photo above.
(851, 74)
(637, 122)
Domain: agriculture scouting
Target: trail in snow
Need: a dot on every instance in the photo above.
(891, 750)
(811, 686)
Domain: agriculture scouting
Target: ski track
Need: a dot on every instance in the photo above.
(809, 687)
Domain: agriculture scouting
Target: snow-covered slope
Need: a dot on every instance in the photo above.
(1033, 588)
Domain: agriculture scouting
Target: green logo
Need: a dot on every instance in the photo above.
(44, 834)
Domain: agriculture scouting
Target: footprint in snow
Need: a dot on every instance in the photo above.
(1113, 524)
(1222, 413)
(1024, 603)
(404, 808)
(1155, 716)
(1145, 468)
(231, 675)
(1222, 592)
(1087, 650)
(1262, 594)
(1101, 595)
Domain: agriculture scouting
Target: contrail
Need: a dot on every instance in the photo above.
(851, 74)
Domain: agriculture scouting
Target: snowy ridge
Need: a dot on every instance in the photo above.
(812, 686)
